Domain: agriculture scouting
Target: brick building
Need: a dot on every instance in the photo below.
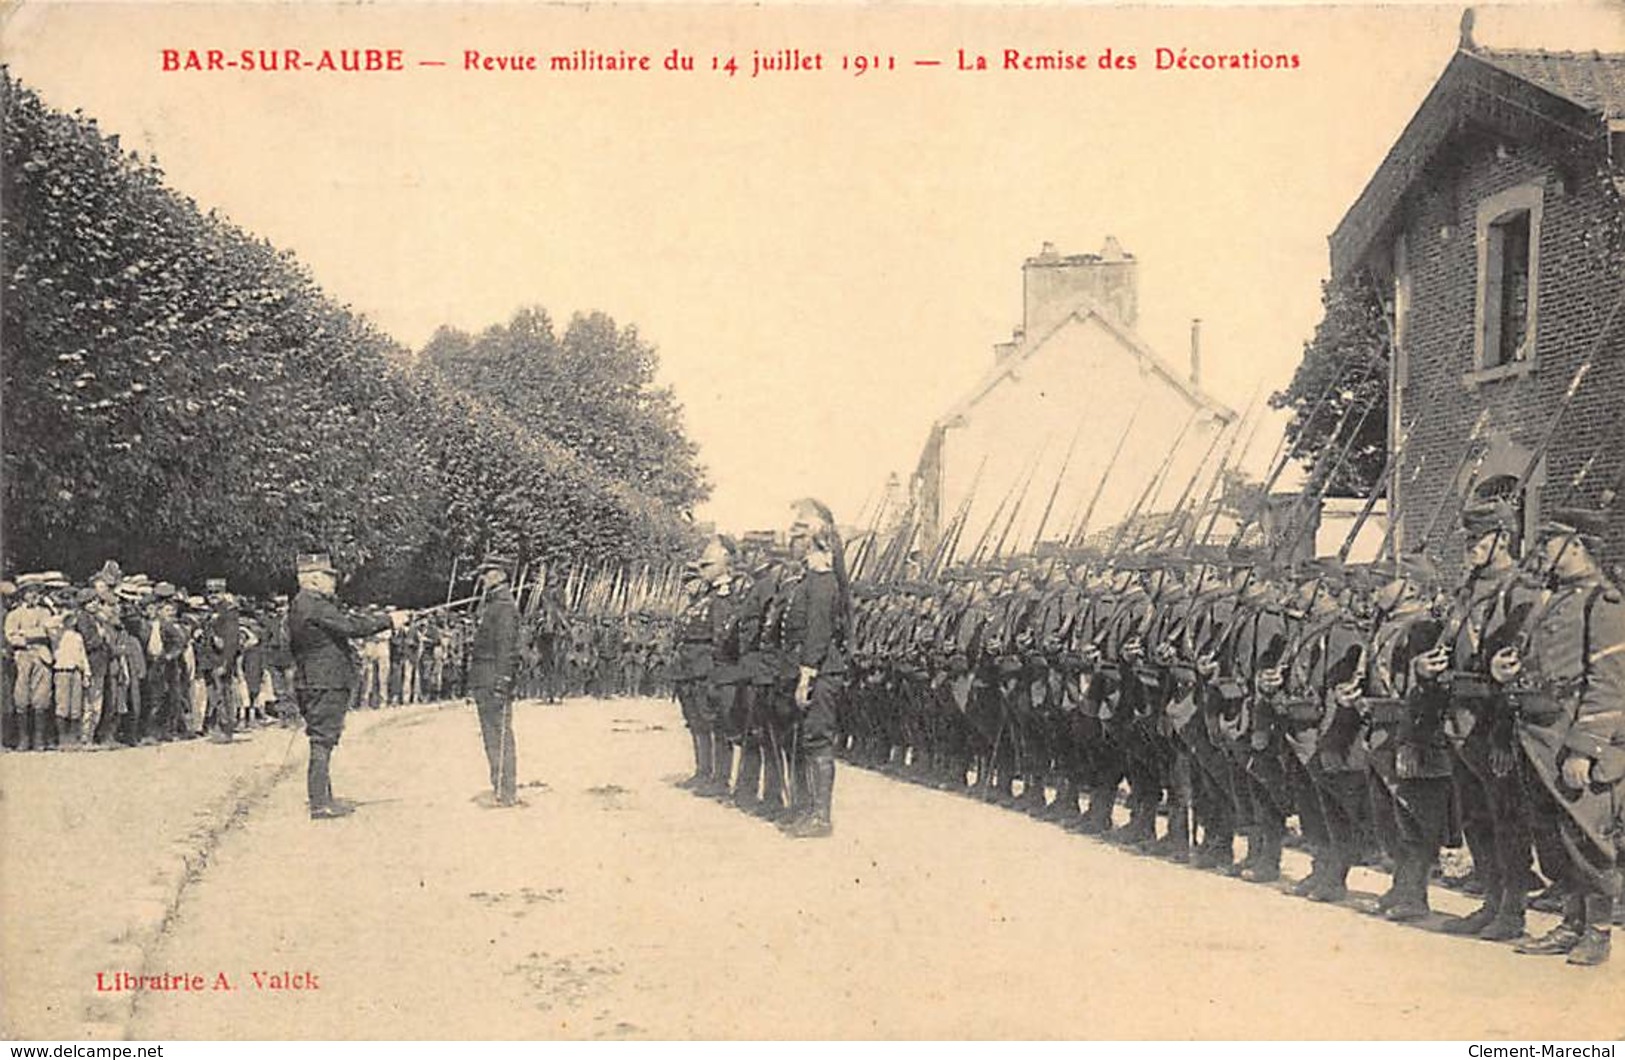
(1495, 222)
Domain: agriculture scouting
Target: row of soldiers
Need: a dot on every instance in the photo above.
(1382, 708)
(761, 668)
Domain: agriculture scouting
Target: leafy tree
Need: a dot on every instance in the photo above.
(183, 396)
(1339, 393)
(592, 390)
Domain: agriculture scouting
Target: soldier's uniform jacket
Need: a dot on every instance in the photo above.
(1116, 690)
(779, 666)
(694, 640)
(724, 615)
(1487, 615)
(1256, 639)
(752, 618)
(495, 652)
(812, 627)
(1570, 699)
(1400, 712)
(1327, 650)
(319, 633)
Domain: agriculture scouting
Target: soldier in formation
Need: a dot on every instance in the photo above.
(1214, 696)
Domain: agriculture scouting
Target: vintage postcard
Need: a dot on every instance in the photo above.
(812, 522)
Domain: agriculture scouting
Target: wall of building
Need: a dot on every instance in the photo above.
(1083, 383)
(1577, 291)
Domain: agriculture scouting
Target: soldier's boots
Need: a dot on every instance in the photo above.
(1097, 820)
(1216, 852)
(1551, 899)
(817, 824)
(1032, 800)
(1306, 886)
(702, 760)
(1266, 866)
(1065, 806)
(1594, 944)
(1140, 829)
(745, 795)
(800, 795)
(1175, 846)
(719, 784)
(1509, 919)
(1411, 876)
(1479, 919)
(1332, 886)
(1565, 936)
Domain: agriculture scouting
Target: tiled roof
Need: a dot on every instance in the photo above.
(1593, 80)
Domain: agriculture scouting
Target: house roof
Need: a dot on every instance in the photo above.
(1592, 80)
(1085, 310)
(1571, 99)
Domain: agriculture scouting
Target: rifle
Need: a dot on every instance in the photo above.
(1066, 462)
(1284, 453)
(998, 550)
(1156, 480)
(1230, 459)
(1296, 525)
(1275, 474)
(1473, 438)
(950, 535)
(1394, 511)
(1580, 373)
(1376, 491)
(1080, 530)
(1176, 516)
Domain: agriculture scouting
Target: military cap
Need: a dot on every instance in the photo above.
(1412, 566)
(163, 591)
(1587, 521)
(495, 561)
(214, 585)
(1487, 516)
(314, 563)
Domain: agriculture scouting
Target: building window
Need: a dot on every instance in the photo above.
(1508, 281)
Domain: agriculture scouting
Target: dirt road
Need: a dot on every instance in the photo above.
(618, 906)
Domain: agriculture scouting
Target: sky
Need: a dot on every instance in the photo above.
(822, 259)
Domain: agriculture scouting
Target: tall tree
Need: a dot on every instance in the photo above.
(1344, 372)
(593, 391)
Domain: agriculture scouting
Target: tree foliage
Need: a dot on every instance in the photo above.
(183, 396)
(1339, 393)
(591, 391)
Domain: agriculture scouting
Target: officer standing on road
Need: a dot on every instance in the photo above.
(817, 627)
(492, 668)
(325, 670)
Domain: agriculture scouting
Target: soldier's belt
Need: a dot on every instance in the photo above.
(1107, 669)
(1384, 710)
(1473, 686)
(1539, 708)
(1300, 710)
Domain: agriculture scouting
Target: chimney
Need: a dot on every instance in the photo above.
(1001, 350)
(1055, 285)
(1196, 353)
